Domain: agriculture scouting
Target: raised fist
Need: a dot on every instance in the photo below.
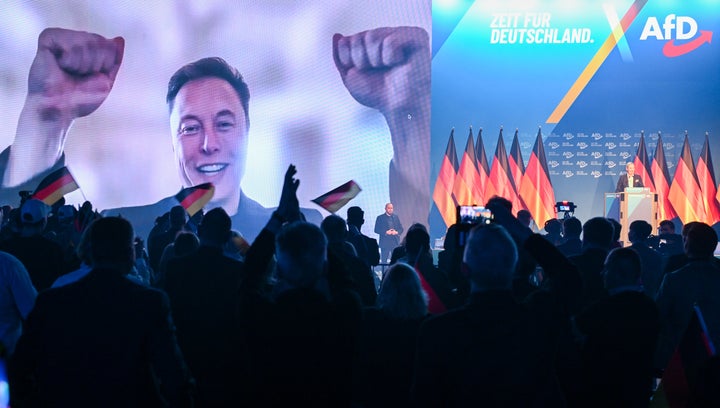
(74, 71)
(385, 68)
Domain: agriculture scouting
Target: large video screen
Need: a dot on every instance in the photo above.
(301, 110)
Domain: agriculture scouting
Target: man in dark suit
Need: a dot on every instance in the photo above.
(389, 228)
(367, 248)
(203, 289)
(628, 180)
(496, 351)
(103, 340)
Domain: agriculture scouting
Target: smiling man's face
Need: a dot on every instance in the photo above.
(210, 137)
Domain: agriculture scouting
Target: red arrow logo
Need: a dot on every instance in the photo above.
(671, 50)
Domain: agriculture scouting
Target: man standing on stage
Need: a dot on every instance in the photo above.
(628, 180)
(389, 228)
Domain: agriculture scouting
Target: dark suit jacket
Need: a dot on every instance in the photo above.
(94, 343)
(203, 289)
(367, 248)
(384, 222)
(623, 182)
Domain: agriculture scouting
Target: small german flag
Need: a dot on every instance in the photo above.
(335, 199)
(193, 199)
(55, 185)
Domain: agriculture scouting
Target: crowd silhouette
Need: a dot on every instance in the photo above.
(308, 315)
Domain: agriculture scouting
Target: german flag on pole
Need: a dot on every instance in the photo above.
(443, 193)
(536, 190)
(517, 165)
(642, 164)
(467, 182)
(336, 198)
(482, 165)
(661, 178)
(706, 179)
(54, 186)
(193, 199)
(500, 182)
(685, 195)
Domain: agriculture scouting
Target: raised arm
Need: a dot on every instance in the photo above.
(72, 74)
(388, 69)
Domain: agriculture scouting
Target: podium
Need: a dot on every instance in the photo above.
(636, 203)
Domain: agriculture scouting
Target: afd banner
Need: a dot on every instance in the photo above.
(592, 74)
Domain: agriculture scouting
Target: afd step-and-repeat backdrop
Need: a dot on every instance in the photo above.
(592, 74)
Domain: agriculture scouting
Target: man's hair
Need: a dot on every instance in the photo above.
(355, 216)
(553, 226)
(301, 250)
(417, 239)
(111, 242)
(617, 228)
(491, 256)
(214, 228)
(401, 295)
(667, 223)
(639, 231)
(700, 241)
(500, 201)
(572, 227)
(622, 268)
(598, 231)
(178, 216)
(334, 228)
(211, 67)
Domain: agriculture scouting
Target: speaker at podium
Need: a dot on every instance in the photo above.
(635, 203)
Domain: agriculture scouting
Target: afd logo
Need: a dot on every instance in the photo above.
(596, 155)
(676, 28)
(568, 136)
(610, 164)
(582, 164)
(553, 163)
(582, 145)
(610, 145)
(568, 173)
(597, 136)
(554, 145)
(625, 155)
(568, 155)
(625, 136)
(596, 174)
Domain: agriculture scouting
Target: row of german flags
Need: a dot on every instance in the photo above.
(693, 194)
(473, 181)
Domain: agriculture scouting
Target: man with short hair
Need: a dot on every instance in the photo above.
(367, 248)
(697, 283)
(628, 180)
(597, 238)
(101, 339)
(388, 228)
(650, 260)
(572, 228)
(619, 337)
(203, 290)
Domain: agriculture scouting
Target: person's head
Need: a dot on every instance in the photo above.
(617, 228)
(417, 239)
(553, 226)
(185, 243)
(572, 228)
(388, 208)
(301, 252)
(490, 257)
(111, 244)
(639, 231)
(622, 268)
(401, 295)
(178, 216)
(355, 216)
(497, 200)
(666, 227)
(33, 215)
(209, 122)
(598, 233)
(214, 228)
(334, 228)
(630, 169)
(524, 217)
(700, 241)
